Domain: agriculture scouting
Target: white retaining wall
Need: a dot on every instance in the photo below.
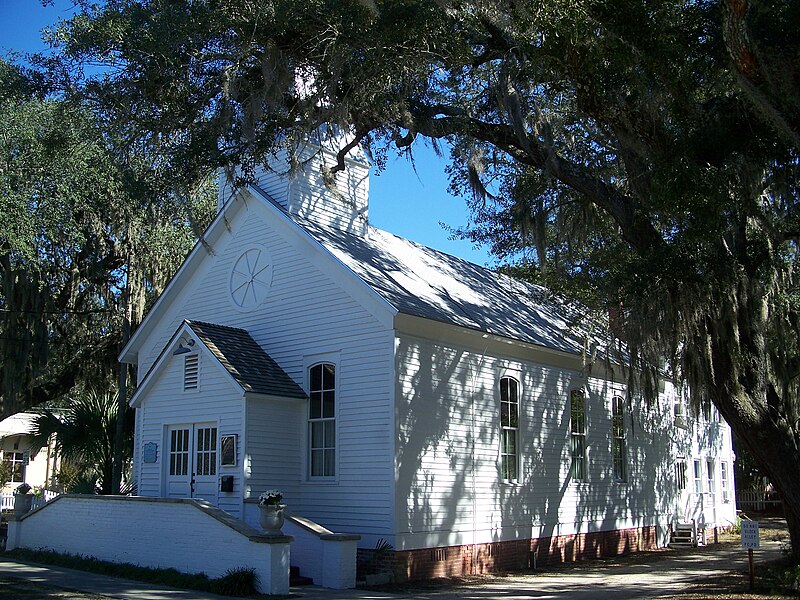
(328, 558)
(191, 536)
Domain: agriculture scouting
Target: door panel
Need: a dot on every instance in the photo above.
(191, 466)
(205, 463)
(178, 463)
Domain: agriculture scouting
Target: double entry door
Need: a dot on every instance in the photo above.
(191, 467)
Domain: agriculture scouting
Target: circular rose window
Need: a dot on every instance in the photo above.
(251, 278)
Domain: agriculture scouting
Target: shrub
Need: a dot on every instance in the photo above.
(236, 582)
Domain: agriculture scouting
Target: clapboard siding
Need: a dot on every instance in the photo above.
(274, 455)
(275, 180)
(447, 398)
(218, 401)
(310, 197)
(311, 309)
(306, 194)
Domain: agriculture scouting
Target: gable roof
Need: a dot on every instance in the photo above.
(247, 362)
(220, 227)
(427, 283)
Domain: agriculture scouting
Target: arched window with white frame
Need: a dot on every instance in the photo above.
(322, 420)
(619, 449)
(509, 429)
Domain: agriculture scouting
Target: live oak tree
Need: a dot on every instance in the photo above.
(90, 233)
(649, 149)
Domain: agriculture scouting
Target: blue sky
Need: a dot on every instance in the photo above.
(408, 203)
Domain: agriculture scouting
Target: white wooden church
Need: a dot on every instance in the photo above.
(398, 393)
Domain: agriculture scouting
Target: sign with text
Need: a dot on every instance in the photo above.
(750, 535)
(150, 452)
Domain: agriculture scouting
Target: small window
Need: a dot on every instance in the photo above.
(190, 372)
(578, 426)
(322, 420)
(679, 408)
(179, 452)
(206, 451)
(710, 474)
(619, 449)
(698, 477)
(228, 451)
(509, 428)
(723, 481)
(680, 473)
(17, 462)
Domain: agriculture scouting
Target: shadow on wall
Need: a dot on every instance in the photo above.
(453, 494)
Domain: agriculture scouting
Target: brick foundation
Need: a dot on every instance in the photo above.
(515, 555)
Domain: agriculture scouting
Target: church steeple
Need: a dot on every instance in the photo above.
(295, 177)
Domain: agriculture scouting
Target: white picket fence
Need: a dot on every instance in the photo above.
(757, 501)
(7, 500)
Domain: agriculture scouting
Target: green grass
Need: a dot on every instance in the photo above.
(236, 582)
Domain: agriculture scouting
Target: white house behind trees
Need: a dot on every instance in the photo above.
(37, 468)
(399, 393)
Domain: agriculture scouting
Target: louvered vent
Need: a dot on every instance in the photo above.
(190, 372)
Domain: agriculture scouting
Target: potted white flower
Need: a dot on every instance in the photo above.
(23, 499)
(271, 511)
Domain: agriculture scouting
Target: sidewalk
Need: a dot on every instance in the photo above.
(620, 579)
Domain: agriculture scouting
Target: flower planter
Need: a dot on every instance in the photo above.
(271, 519)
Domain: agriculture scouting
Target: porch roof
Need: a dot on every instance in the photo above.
(247, 362)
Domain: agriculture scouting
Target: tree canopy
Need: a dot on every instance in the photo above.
(83, 217)
(648, 150)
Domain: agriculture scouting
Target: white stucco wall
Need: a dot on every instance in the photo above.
(189, 536)
(42, 465)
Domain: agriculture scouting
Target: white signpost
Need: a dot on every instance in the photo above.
(750, 541)
(750, 535)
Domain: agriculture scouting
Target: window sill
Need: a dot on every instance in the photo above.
(322, 481)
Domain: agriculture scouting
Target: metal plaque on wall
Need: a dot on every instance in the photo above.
(150, 452)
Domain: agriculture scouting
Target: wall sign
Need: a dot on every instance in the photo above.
(228, 454)
(150, 452)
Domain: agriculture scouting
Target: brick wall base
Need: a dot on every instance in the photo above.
(515, 555)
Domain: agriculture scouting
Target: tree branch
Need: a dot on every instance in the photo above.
(442, 121)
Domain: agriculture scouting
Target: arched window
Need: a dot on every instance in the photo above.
(619, 449)
(322, 420)
(509, 429)
(577, 404)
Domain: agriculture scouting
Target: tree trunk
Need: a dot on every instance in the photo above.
(781, 463)
(739, 364)
(122, 398)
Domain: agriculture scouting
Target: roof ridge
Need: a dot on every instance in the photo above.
(209, 324)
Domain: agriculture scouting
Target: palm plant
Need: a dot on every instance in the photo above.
(84, 435)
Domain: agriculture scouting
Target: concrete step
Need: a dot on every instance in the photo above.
(295, 579)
